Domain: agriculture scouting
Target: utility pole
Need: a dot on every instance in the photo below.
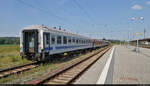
(128, 38)
(144, 33)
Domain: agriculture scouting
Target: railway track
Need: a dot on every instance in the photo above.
(17, 69)
(70, 72)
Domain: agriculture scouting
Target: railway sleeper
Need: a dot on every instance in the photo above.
(58, 81)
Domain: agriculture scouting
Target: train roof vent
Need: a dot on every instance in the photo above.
(44, 26)
(54, 27)
(59, 27)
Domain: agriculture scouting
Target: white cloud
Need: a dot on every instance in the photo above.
(148, 2)
(137, 7)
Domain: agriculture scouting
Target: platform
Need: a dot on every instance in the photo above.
(125, 67)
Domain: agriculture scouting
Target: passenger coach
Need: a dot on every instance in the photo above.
(38, 42)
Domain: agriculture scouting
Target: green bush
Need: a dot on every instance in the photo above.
(14, 59)
(9, 40)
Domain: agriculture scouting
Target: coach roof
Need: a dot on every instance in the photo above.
(42, 27)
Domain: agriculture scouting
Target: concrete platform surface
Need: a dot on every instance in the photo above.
(131, 67)
(126, 67)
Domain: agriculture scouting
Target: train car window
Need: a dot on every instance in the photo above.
(77, 41)
(69, 40)
(82, 41)
(59, 39)
(86, 41)
(73, 40)
(64, 40)
(47, 39)
(53, 39)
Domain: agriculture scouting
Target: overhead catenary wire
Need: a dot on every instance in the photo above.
(84, 11)
(44, 11)
(88, 16)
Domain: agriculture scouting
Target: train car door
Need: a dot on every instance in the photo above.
(46, 42)
(30, 38)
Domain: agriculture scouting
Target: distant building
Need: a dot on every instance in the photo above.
(145, 41)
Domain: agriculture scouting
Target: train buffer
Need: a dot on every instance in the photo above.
(120, 65)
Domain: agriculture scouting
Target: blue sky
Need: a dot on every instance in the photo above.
(110, 19)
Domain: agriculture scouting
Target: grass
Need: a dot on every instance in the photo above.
(42, 69)
(10, 56)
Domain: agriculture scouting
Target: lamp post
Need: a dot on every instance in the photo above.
(137, 42)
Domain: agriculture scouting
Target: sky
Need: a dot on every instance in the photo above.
(110, 19)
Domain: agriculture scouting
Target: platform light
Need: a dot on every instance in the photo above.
(141, 18)
(137, 18)
(133, 18)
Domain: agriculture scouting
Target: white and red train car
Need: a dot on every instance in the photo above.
(38, 42)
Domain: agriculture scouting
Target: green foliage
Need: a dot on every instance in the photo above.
(9, 40)
(14, 59)
(114, 41)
